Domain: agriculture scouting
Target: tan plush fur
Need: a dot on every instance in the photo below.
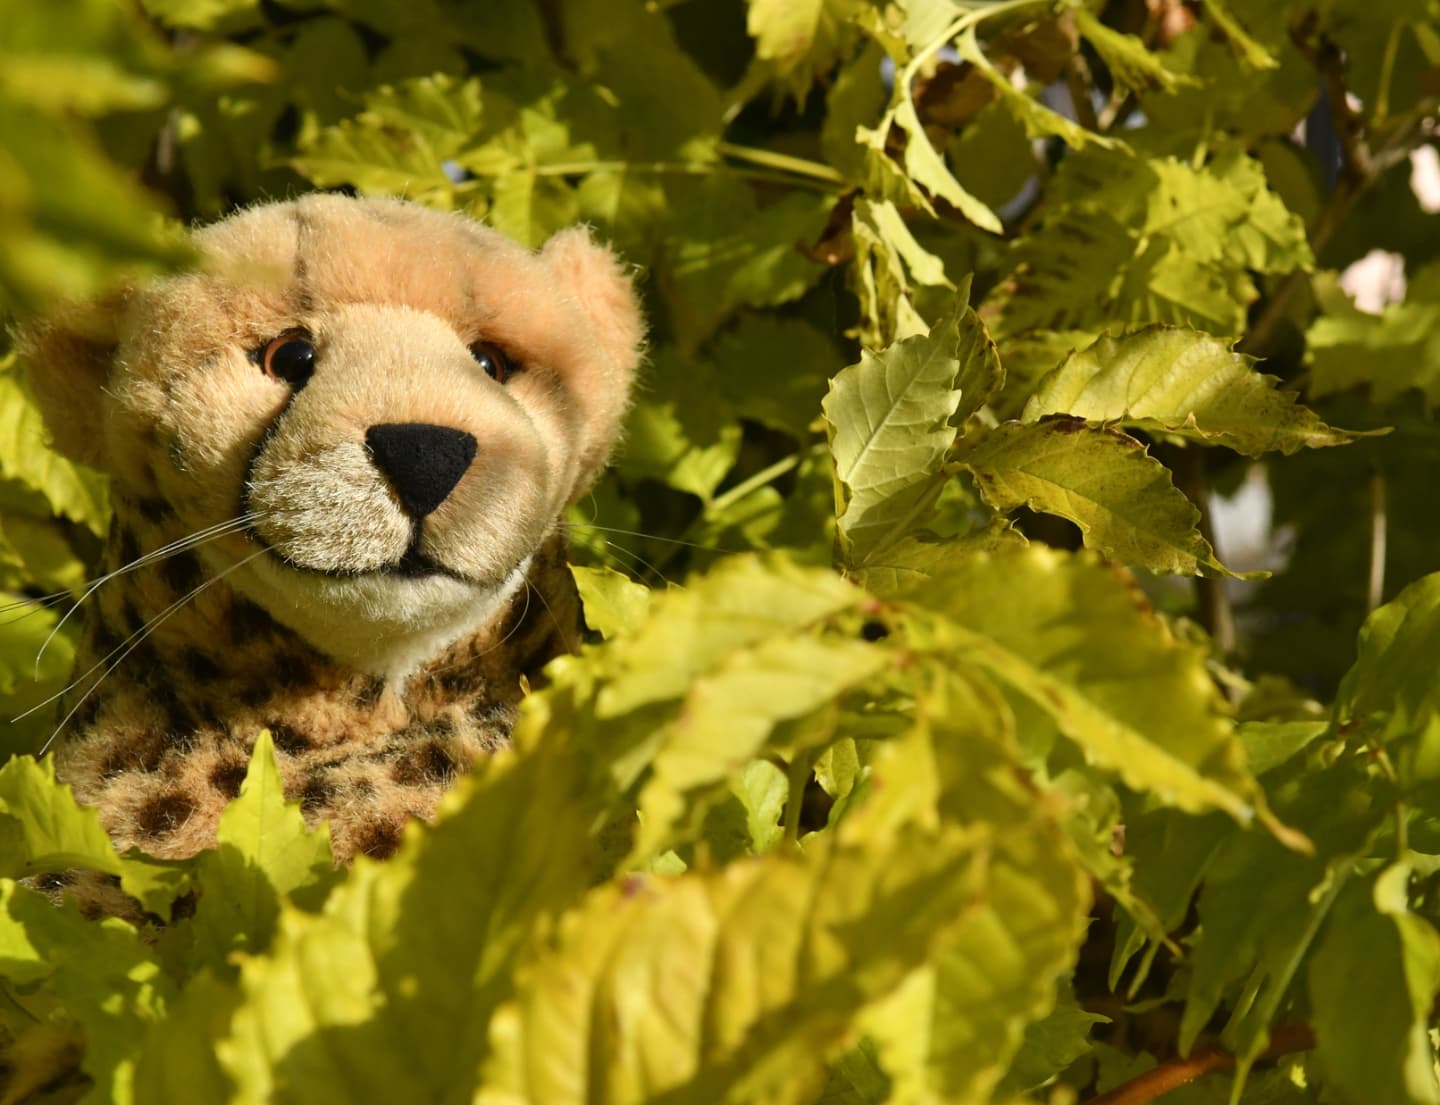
(378, 685)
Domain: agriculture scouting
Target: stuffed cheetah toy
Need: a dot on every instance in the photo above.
(340, 452)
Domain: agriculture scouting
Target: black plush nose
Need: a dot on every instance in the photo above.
(422, 462)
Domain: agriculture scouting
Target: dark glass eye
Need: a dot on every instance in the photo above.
(290, 358)
(493, 360)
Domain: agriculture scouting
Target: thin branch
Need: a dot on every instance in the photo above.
(1375, 592)
(1215, 613)
(1154, 1083)
(1079, 82)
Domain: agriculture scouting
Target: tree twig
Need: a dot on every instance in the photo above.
(1158, 1081)
(1215, 613)
(1079, 83)
(1375, 591)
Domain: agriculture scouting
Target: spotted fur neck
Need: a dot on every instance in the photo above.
(160, 743)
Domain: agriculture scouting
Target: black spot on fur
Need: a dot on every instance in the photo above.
(113, 765)
(257, 694)
(226, 777)
(287, 738)
(496, 715)
(154, 511)
(130, 621)
(368, 692)
(200, 667)
(181, 573)
(127, 548)
(163, 815)
(88, 712)
(430, 763)
(379, 841)
(179, 721)
(248, 621)
(461, 681)
(291, 671)
(319, 791)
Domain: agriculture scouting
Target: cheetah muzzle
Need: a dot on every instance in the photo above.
(340, 453)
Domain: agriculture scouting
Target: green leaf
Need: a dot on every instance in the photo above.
(950, 1032)
(1102, 480)
(1141, 240)
(731, 710)
(529, 207)
(856, 96)
(614, 603)
(388, 993)
(77, 493)
(749, 821)
(1262, 906)
(774, 370)
(396, 146)
(642, 998)
(47, 830)
(681, 431)
(801, 38)
(1051, 1044)
(1073, 636)
(923, 166)
(1126, 57)
(99, 974)
(1038, 120)
(890, 419)
(263, 853)
(1385, 353)
(1253, 53)
(1392, 673)
(1373, 981)
(724, 252)
(708, 681)
(1184, 383)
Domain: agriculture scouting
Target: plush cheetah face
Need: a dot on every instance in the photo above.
(396, 404)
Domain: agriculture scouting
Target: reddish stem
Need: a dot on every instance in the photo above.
(1160, 1080)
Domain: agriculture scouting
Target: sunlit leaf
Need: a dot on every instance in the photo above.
(263, 853)
(1073, 635)
(1183, 383)
(1104, 481)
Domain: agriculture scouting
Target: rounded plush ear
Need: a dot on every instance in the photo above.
(67, 358)
(592, 277)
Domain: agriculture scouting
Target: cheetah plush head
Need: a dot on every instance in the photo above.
(390, 408)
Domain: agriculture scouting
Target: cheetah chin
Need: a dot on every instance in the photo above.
(340, 452)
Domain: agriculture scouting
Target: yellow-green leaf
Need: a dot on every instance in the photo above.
(1077, 638)
(1104, 481)
(1185, 383)
(263, 852)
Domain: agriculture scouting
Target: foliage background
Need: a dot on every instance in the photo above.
(925, 801)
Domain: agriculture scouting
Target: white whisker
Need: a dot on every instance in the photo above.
(125, 648)
(200, 537)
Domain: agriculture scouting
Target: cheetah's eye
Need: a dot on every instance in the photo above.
(290, 358)
(493, 360)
